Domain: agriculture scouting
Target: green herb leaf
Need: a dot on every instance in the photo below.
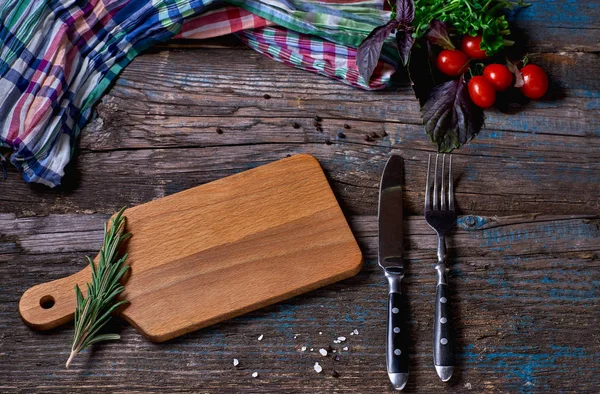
(468, 17)
(94, 311)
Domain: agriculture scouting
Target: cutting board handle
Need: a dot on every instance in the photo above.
(51, 304)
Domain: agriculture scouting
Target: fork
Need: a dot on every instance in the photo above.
(441, 217)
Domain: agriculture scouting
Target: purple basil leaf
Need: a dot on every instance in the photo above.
(369, 50)
(519, 82)
(405, 41)
(438, 35)
(450, 117)
(405, 11)
(405, 14)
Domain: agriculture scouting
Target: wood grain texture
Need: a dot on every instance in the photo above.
(220, 250)
(157, 134)
(525, 290)
(525, 256)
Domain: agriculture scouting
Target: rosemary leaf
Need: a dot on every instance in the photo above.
(94, 311)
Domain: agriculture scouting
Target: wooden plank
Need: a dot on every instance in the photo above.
(526, 293)
(190, 83)
(558, 26)
(549, 149)
(516, 181)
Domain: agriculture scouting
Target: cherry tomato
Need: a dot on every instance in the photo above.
(472, 47)
(535, 81)
(499, 76)
(482, 92)
(452, 62)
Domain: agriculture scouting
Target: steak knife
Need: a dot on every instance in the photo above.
(391, 259)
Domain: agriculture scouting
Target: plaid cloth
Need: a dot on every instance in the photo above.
(221, 22)
(316, 55)
(57, 57)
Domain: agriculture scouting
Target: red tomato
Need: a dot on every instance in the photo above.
(499, 76)
(452, 62)
(482, 92)
(535, 81)
(472, 47)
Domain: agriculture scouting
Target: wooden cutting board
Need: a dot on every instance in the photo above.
(220, 250)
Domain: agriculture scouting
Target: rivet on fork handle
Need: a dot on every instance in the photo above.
(441, 218)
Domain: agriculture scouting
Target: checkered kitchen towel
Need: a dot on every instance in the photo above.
(57, 57)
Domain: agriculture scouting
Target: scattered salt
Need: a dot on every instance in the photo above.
(323, 352)
(311, 349)
(320, 333)
(341, 339)
(295, 336)
(355, 332)
(255, 374)
(235, 362)
(318, 368)
(336, 341)
(303, 348)
(260, 337)
(468, 386)
(345, 348)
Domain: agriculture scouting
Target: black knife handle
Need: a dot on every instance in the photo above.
(443, 341)
(397, 349)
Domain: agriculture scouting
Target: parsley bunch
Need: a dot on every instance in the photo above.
(468, 17)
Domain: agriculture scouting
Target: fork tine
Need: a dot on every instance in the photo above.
(450, 186)
(435, 185)
(443, 189)
(427, 196)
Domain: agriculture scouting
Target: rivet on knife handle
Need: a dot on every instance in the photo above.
(396, 349)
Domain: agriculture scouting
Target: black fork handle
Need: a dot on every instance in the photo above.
(443, 340)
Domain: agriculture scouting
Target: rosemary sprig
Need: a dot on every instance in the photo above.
(94, 311)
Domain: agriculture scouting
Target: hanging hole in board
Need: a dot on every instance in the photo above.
(47, 302)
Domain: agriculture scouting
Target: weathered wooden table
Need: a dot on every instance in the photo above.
(525, 260)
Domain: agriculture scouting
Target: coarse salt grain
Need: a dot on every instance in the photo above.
(323, 352)
(341, 339)
(336, 341)
(318, 368)
(255, 374)
(235, 362)
(303, 348)
(320, 333)
(345, 348)
(260, 337)
(355, 332)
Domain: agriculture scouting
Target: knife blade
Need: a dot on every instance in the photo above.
(391, 259)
